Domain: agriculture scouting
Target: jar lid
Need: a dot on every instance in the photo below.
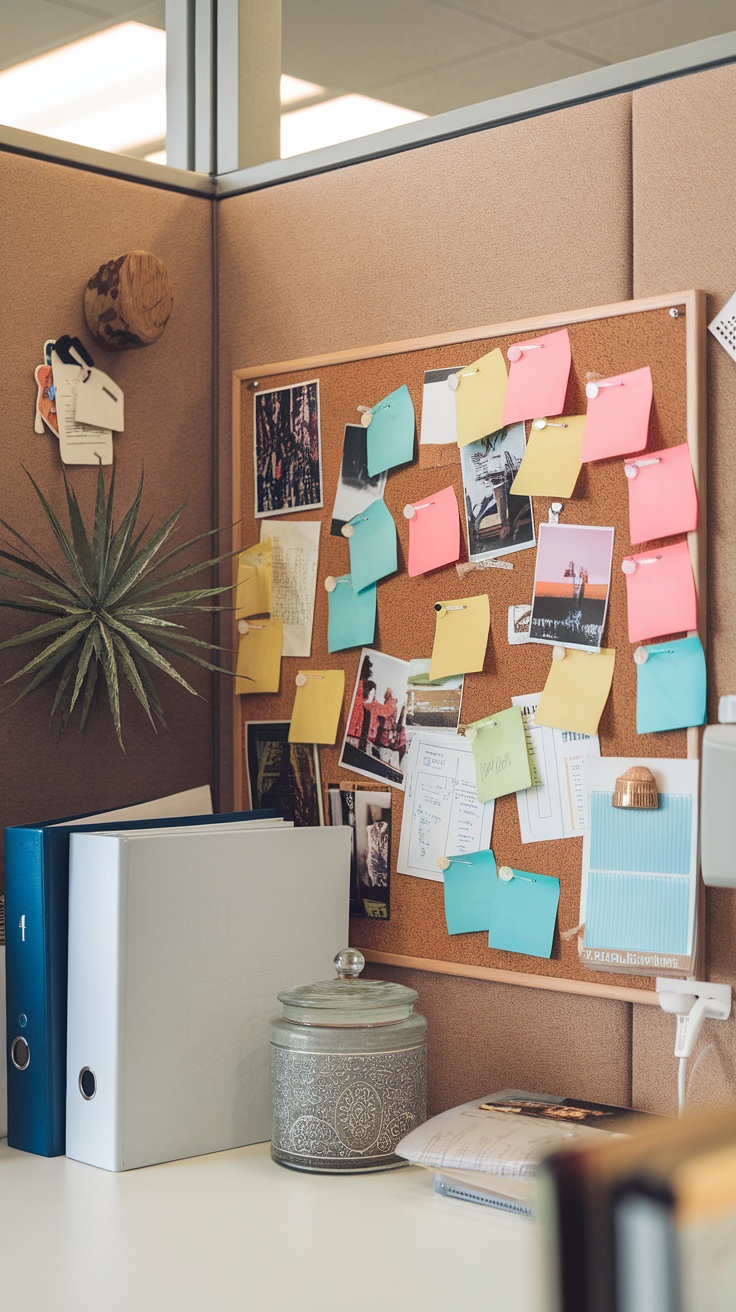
(347, 1000)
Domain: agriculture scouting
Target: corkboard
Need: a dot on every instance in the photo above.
(607, 340)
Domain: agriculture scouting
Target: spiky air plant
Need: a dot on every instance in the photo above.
(115, 612)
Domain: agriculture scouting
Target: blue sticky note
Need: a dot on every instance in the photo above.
(670, 686)
(351, 618)
(391, 432)
(469, 881)
(373, 552)
(523, 913)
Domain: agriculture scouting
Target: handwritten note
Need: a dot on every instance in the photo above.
(577, 690)
(259, 657)
(469, 881)
(441, 810)
(538, 377)
(391, 432)
(351, 620)
(434, 532)
(501, 756)
(295, 550)
(618, 415)
(460, 636)
(556, 806)
(552, 462)
(253, 590)
(373, 552)
(663, 500)
(479, 397)
(671, 686)
(660, 589)
(317, 705)
(523, 913)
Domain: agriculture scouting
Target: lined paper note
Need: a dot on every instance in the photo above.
(295, 550)
(661, 593)
(639, 913)
(671, 686)
(351, 619)
(469, 881)
(501, 756)
(656, 841)
(558, 806)
(552, 462)
(373, 553)
(259, 657)
(434, 532)
(441, 810)
(618, 416)
(316, 711)
(662, 496)
(391, 432)
(460, 636)
(577, 690)
(479, 397)
(538, 379)
(523, 913)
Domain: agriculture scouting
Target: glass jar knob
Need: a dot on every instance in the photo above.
(349, 963)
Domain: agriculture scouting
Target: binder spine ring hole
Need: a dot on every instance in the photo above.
(20, 1053)
(87, 1083)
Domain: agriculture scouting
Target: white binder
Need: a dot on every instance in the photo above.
(179, 941)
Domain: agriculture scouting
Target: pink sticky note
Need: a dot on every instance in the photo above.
(434, 532)
(663, 500)
(661, 592)
(538, 374)
(617, 420)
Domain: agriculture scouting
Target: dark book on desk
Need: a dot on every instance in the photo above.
(37, 904)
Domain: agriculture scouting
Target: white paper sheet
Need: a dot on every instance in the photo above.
(438, 408)
(442, 814)
(295, 555)
(557, 807)
(79, 444)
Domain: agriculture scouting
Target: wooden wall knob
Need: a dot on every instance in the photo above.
(128, 301)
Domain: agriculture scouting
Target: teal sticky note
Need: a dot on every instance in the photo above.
(523, 913)
(373, 552)
(391, 432)
(469, 881)
(670, 686)
(351, 620)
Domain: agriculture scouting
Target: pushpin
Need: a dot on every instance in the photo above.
(554, 512)
(558, 653)
(409, 512)
(514, 353)
(443, 863)
(243, 626)
(505, 873)
(631, 471)
(366, 418)
(347, 530)
(641, 655)
(440, 609)
(470, 734)
(453, 382)
(593, 388)
(628, 566)
(330, 583)
(300, 680)
(546, 423)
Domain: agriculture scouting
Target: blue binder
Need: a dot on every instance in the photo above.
(37, 919)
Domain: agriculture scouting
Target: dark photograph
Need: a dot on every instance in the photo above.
(355, 487)
(286, 449)
(283, 775)
(367, 811)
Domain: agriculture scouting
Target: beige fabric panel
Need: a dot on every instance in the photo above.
(516, 221)
(684, 229)
(57, 225)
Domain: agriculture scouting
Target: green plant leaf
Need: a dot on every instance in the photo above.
(110, 671)
(62, 687)
(79, 533)
(85, 656)
(61, 644)
(132, 675)
(142, 560)
(61, 537)
(150, 688)
(150, 653)
(93, 671)
(40, 631)
(119, 542)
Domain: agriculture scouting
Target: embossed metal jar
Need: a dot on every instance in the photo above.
(348, 1072)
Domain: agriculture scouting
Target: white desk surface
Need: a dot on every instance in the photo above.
(235, 1231)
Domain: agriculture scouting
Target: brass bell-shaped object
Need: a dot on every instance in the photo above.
(636, 789)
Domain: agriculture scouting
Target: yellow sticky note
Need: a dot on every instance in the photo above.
(460, 636)
(317, 705)
(576, 691)
(259, 657)
(253, 591)
(552, 461)
(479, 397)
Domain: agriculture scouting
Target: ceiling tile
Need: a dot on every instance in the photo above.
(654, 27)
(35, 26)
(540, 17)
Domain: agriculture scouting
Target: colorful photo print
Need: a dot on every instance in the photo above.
(571, 585)
(282, 774)
(367, 811)
(286, 449)
(433, 705)
(497, 523)
(355, 487)
(375, 739)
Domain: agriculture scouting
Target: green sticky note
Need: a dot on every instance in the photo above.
(523, 913)
(469, 881)
(501, 756)
(373, 552)
(351, 620)
(391, 432)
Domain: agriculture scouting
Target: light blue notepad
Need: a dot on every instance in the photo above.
(523, 913)
(391, 432)
(351, 620)
(373, 552)
(469, 881)
(671, 686)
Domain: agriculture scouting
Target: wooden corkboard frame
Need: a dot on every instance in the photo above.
(607, 340)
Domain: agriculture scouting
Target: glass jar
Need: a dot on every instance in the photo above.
(348, 1072)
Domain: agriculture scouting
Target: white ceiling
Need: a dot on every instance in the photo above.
(426, 55)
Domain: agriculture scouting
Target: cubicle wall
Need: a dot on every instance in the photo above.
(57, 225)
(557, 212)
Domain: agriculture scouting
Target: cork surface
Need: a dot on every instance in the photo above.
(406, 618)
